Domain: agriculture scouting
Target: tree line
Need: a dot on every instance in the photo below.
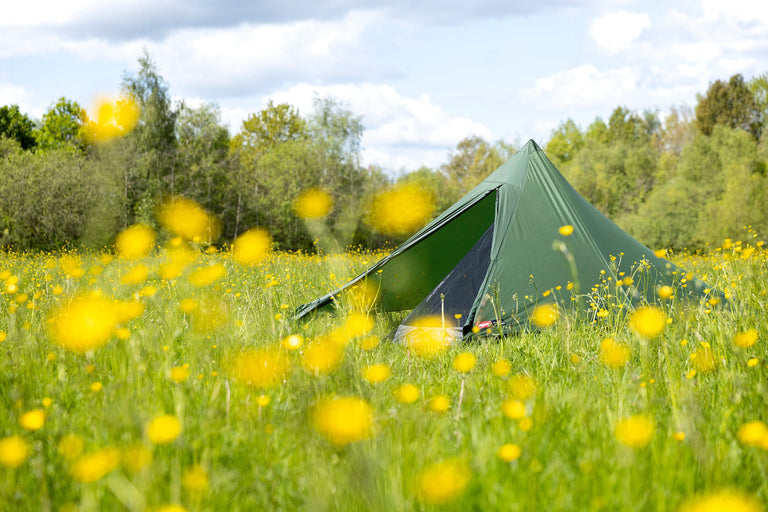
(694, 177)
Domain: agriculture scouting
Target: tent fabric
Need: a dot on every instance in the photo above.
(514, 217)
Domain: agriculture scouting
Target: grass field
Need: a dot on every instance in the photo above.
(173, 388)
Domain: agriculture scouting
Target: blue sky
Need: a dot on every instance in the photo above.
(423, 74)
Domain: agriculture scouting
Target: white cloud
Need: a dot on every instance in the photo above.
(15, 95)
(614, 31)
(583, 86)
(29, 13)
(400, 131)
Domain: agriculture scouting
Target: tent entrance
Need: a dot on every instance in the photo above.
(454, 295)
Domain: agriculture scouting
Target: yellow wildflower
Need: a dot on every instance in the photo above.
(614, 354)
(322, 356)
(634, 431)
(261, 368)
(648, 321)
(85, 323)
(722, 501)
(187, 219)
(521, 386)
(464, 362)
(94, 466)
(251, 247)
(509, 452)
(163, 429)
(13, 451)
(195, 479)
(566, 230)
(313, 203)
(545, 315)
(135, 241)
(400, 210)
(745, 339)
(753, 433)
(513, 409)
(406, 393)
(501, 368)
(439, 403)
(443, 482)
(179, 374)
(343, 420)
(32, 420)
(376, 373)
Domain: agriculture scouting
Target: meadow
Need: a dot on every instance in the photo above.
(174, 379)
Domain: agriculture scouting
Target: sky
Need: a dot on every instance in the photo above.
(422, 74)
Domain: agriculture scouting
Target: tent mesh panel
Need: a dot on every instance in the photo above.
(456, 293)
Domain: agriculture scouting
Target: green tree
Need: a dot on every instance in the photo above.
(47, 198)
(153, 170)
(564, 142)
(729, 104)
(473, 160)
(252, 182)
(17, 126)
(62, 126)
(202, 155)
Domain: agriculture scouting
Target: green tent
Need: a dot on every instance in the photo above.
(499, 252)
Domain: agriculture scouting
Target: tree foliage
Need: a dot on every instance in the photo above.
(729, 104)
(17, 126)
(62, 126)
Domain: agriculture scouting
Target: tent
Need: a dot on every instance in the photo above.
(499, 252)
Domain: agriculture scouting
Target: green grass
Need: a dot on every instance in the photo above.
(271, 458)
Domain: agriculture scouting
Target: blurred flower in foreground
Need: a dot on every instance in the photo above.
(634, 431)
(206, 275)
(430, 337)
(84, 323)
(322, 356)
(501, 368)
(521, 386)
(343, 420)
(187, 219)
(439, 403)
(251, 247)
(135, 241)
(32, 420)
(163, 429)
(444, 481)
(545, 315)
(13, 451)
(261, 368)
(745, 339)
(136, 457)
(648, 321)
(754, 433)
(401, 210)
(70, 446)
(112, 118)
(94, 466)
(292, 342)
(722, 501)
(406, 393)
(464, 362)
(566, 230)
(171, 508)
(195, 479)
(704, 359)
(376, 373)
(614, 354)
(313, 203)
(509, 452)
